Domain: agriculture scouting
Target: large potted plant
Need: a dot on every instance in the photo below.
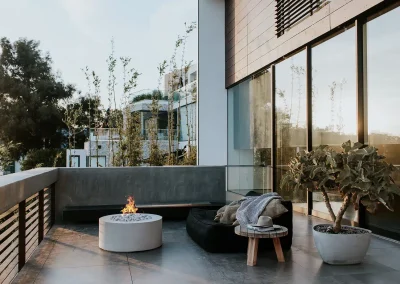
(360, 175)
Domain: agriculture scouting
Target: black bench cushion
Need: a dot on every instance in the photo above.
(216, 237)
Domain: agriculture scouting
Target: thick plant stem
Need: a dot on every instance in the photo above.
(338, 222)
(328, 204)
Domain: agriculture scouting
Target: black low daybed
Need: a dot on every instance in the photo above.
(216, 237)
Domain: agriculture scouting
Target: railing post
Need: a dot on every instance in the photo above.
(41, 216)
(21, 234)
(53, 203)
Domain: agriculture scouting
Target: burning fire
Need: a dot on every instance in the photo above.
(130, 207)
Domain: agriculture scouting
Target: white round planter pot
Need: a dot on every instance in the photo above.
(342, 249)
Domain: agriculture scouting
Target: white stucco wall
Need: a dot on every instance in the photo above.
(212, 96)
(81, 153)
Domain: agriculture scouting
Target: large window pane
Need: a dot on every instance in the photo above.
(334, 100)
(249, 135)
(383, 56)
(291, 128)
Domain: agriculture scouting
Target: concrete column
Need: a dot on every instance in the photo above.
(212, 95)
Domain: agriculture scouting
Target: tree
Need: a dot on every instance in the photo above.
(36, 158)
(7, 153)
(87, 109)
(358, 173)
(30, 92)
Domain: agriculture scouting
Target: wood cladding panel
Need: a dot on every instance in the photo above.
(346, 12)
(241, 17)
(250, 28)
(263, 21)
(261, 39)
(260, 7)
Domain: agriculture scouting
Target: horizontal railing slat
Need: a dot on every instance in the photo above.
(5, 253)
(31, 235)
(11, 257)
(32, 242)
(9, 240)
(31, 246)
(9, 211)
(33, 211)
(31, 197)
(46, 202)
(9, 220)
(9, 273)
(47, 206)
(31, 220)
(34, 203)
(46, 227)
(46, 216)
(47, 220)
(9, 231)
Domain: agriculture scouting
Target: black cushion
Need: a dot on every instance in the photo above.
(216, 237)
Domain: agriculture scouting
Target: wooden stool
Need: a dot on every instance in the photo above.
(254, 236)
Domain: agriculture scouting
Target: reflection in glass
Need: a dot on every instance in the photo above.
(383, 56)
(291, 128)
(334, 111)
(249, 135)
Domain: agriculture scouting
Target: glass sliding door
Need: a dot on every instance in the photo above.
(291, 131)
(261, 130)
(249, 135)
(383, 85)
(334, 97)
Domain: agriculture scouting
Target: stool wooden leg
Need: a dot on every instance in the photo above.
(278, 249)
(252, 250)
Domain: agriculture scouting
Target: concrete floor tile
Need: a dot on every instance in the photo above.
(369, 278)
(86, 275)
(70, 254)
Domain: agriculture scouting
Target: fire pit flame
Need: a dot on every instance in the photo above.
(130, 207)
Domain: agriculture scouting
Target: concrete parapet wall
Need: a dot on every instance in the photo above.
(17, 187)
(149, 185)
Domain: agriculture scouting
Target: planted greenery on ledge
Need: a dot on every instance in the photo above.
(358, 173)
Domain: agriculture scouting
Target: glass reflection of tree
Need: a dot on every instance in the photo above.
(288, 117)
(333, 88)
(290, 125)
(328, 113)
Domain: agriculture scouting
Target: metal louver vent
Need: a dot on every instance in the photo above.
(290, 12)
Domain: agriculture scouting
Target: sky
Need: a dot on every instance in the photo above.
(78, 33)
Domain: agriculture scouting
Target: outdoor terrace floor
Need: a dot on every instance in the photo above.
(70, 254)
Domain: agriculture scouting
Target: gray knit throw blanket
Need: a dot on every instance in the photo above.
(252, 206)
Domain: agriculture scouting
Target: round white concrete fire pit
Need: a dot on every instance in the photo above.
(130, 232)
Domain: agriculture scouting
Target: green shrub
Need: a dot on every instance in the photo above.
(358, 173)
(36, 158)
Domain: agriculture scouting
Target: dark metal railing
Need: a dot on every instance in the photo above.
(23, 226)
(290, 12)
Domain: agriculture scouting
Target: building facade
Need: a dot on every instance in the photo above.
(297, 76)
(103, 143)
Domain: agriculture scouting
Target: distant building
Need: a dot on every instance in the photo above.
(182, 79)
(97, 150)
